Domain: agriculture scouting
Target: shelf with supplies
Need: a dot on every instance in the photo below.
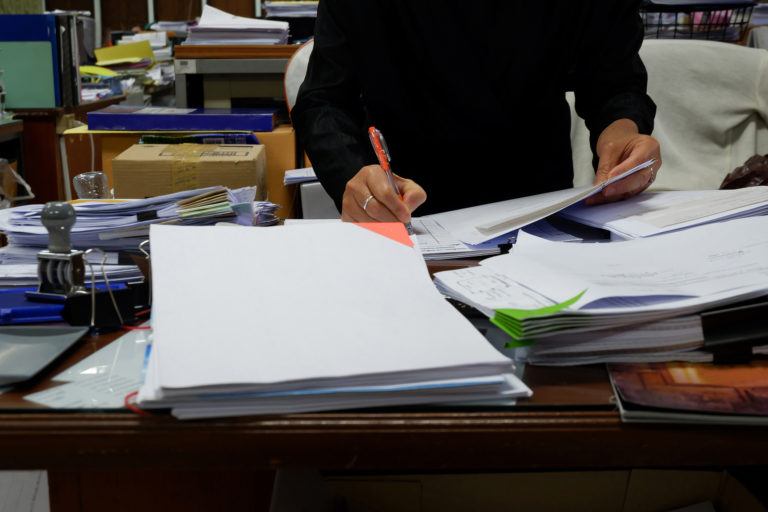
(227, 76)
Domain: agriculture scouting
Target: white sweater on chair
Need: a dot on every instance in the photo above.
(712, 113)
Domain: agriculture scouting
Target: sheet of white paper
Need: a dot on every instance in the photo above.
(488, 290)
(699, 262)
(479, 224)
(102, 380)
(124, 357)
(99, 392)
(653, 213)
(216, 18)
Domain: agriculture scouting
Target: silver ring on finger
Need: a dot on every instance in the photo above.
(366, 202)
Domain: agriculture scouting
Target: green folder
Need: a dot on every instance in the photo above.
(28, 74)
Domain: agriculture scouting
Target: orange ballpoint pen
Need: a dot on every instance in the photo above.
(385, 161)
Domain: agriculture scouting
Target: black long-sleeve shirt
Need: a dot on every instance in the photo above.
(470, 96)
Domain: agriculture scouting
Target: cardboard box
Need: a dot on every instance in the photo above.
(146, 170)
(281, 156)
(280, 145)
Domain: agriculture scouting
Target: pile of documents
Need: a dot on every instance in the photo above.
(18, 267)
(608, 301)
(479, 230)
(655, 213)
(177, 28)
(12, 275)
(298, 176)
(495, 222)
(219, 27)
(291, 9)
(130, 58)
(265, 213)
(437, 243)
(123, 224)
(306, 325)
(158, 41)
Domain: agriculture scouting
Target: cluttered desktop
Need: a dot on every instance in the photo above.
(188, 301)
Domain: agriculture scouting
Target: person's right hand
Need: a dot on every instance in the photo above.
(369, 197)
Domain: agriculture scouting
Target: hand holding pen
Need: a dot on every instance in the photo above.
(376, 194)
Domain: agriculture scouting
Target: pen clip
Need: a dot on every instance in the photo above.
(384, 145)
(379, 147)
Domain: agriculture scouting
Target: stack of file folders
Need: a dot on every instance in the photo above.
(632, 301)
(299, 333)
(217, 27)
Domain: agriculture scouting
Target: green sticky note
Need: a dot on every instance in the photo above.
(522, 314)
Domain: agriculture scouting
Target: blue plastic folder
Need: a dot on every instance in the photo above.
(16, 309)
(131, 118)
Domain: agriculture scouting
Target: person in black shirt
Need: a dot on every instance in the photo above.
(471, 100)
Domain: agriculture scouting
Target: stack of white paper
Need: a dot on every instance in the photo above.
(124, 225)
(297, 176)
(654, 213)
(219, 27)
(437, 243)
(302, 318)
(179, 28)
(291, 9)
(559, 295)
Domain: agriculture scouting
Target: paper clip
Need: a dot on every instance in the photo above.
(142, 247)
(106, 283)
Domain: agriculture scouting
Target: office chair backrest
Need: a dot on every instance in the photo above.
(296, 71)
(712, 113)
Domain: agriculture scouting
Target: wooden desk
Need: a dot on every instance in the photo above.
(42, 158)
(12, 142)
(570, 423)
(10, 129)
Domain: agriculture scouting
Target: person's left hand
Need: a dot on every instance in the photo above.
(620, 148)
